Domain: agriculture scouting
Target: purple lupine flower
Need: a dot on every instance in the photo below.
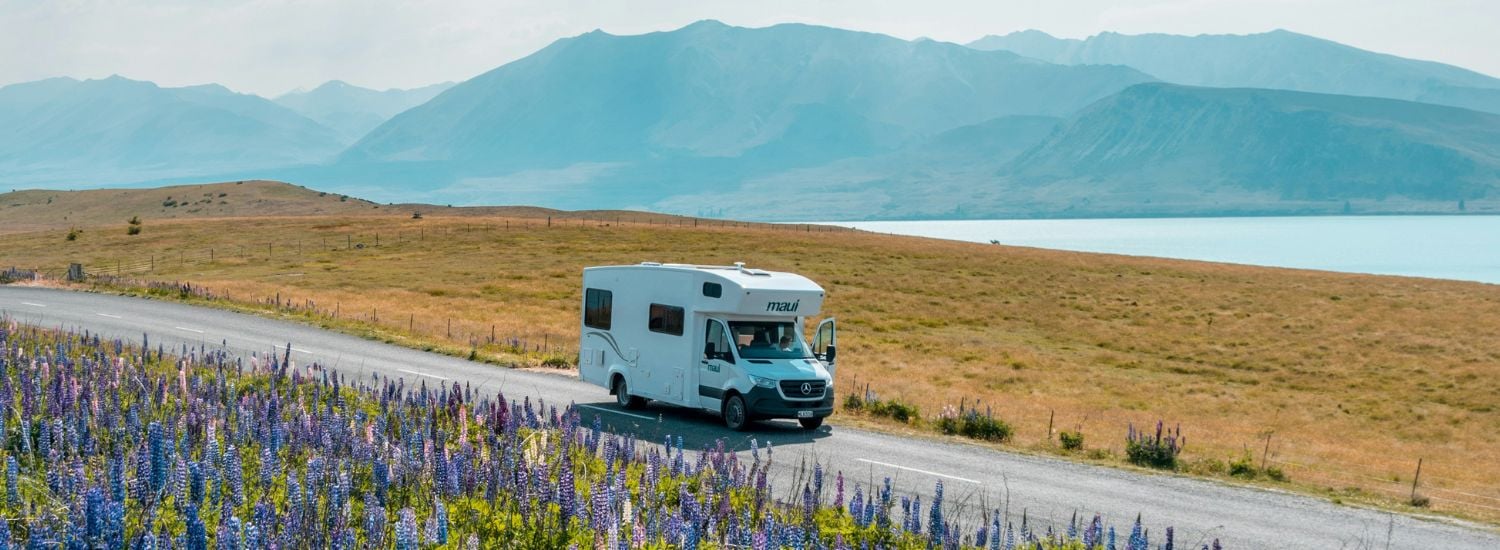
(1137, 540)
(936, 527)
(406, 530)
(838, 499)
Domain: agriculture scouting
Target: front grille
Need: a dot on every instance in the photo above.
(792, 389)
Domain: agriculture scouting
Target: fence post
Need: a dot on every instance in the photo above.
(1050, 415)
(1267, 452)
(1415, 479)
(153, 262)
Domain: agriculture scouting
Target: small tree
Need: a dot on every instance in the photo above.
(135, 226)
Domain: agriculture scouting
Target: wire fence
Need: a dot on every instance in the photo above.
(135, 272)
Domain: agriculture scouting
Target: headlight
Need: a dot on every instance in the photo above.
(763, 382)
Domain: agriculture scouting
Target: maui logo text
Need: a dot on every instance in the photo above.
(783, 307)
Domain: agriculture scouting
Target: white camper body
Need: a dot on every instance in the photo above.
(724, 339)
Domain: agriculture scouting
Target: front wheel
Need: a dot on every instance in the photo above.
(810, 423)
(736, 415)
(623, 397)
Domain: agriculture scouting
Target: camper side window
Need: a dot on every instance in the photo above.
(665, 319)
(598, 308)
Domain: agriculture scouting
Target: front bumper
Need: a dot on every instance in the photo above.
(767, 403)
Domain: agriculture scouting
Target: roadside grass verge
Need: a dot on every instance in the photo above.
(1357, 376)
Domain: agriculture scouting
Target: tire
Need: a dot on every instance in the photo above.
(810, 423)
(623, 397)
(736, 414)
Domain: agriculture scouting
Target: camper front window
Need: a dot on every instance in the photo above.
(768, 340)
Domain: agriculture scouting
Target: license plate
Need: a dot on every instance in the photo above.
(804, 414)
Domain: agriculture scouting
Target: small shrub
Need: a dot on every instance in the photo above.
(1243, 467)
(1275, 474)
(556, 362)
(1159, 451)
(1420, 501)
(853, 402)
(73, 234)
(875, 406)
(1071, 440)
(133, 230)
(896, 410)
(973, 424)
(416, 215)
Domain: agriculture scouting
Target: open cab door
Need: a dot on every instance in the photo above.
(825, 343)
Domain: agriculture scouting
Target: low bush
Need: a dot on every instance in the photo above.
(1244, 467)
(1158, 451)
(873, 405)
(1071, 440)
(970, 422)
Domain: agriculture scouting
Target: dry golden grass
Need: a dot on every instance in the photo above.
(1355, 376)
(38, 209)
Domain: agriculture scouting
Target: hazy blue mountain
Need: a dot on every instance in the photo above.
(1157, 149)
(353, 111)
(116, 129)
(711, 104)
(1279, 59)
(1290, 145)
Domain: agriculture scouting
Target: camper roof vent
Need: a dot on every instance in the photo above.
(752, 272)
(651, 263)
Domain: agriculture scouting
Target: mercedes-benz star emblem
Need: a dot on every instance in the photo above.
(806, 388)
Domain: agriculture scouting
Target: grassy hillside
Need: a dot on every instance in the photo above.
(1353, 377)
(37, 209)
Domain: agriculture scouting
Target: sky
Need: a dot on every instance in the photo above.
(270, 47)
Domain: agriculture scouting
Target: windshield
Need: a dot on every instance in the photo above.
(768, 340)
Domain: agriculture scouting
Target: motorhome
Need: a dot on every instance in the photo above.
(724, 339)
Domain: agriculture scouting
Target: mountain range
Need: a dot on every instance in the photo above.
(352, 111)
(1278, 60)
(804, 122)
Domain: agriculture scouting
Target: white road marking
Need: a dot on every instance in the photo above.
(189, 329)
(108, 315)
(422, 374)
(640, 416)
(900, 467)
(32, 304)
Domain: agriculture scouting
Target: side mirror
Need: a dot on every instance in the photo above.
(830, 353)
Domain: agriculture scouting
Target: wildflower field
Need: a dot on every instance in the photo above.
(110, 445)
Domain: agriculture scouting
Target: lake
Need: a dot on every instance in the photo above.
(1445, 247)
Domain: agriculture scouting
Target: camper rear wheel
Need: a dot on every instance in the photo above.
(736, 414)
(623, 397)
(810, 423)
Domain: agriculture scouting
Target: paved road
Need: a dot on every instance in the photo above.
(1048, 490)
